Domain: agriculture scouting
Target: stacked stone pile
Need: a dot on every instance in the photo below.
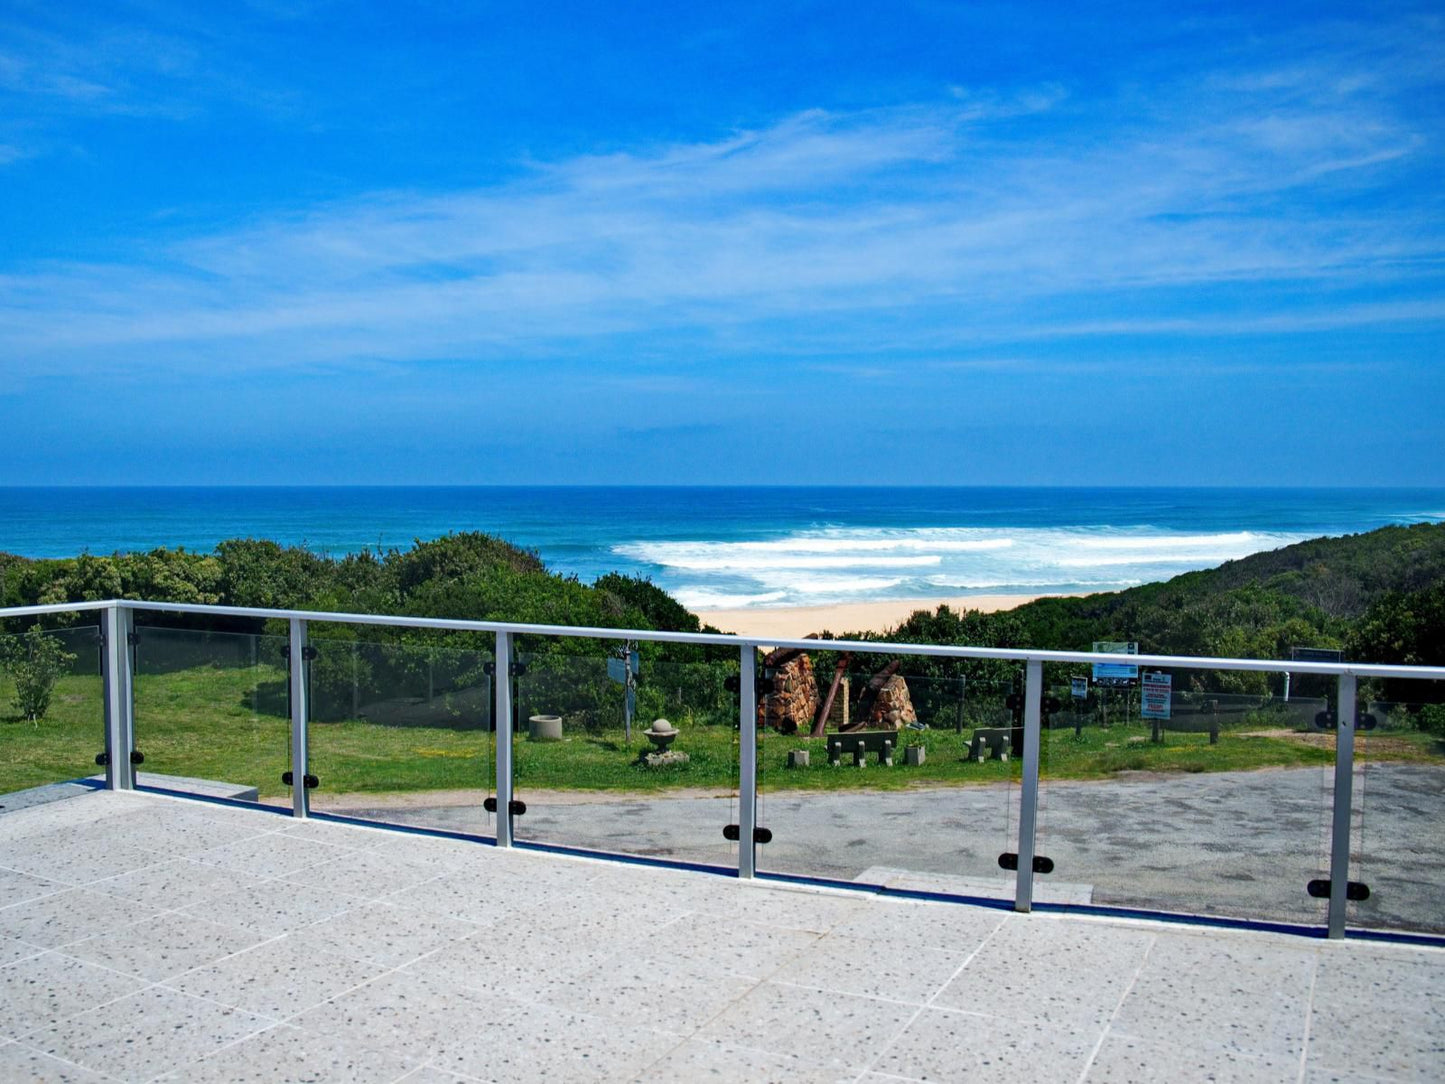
(793, 699)
(893, 710)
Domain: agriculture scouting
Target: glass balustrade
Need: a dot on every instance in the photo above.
(1186, 790)
(884, 773)
(52, 706)
(1397, 832)
(401, 733)
(1192, 791)
(660, 780)
(212, 714)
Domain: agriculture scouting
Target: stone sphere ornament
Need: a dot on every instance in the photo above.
(661, 733)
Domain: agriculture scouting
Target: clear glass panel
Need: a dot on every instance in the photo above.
(402, 733)
(1398, 829)
(211, 713)
(52, 707)
(658, 789)
(1222, 808)
(936, 820)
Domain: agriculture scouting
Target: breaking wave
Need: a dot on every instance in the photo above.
(836, 564)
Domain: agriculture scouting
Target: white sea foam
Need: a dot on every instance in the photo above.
(839, 564)
(699, 599)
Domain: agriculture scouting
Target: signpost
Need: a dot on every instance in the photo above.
(623, 668)
(1311, 654)
(1154, 699)
(1079, 688)
(1115, 673)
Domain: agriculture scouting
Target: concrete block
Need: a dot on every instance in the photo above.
(797, 758)
(914, 755)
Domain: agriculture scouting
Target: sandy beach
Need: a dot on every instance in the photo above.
(795, 622)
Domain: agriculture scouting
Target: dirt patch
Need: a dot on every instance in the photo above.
(1366, 744)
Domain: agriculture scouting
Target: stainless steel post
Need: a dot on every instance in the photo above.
(300, 712)
(747, 761)
(1343, 804)
(502, 713)
(1029, 792)
(119, 699)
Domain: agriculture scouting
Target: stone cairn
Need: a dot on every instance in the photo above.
(893, 709)
(792, 698)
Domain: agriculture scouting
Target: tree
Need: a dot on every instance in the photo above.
(34, 661)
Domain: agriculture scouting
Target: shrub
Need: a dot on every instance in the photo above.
(1432, 719)
(34, 661)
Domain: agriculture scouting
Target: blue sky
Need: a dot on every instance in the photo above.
(277, 242)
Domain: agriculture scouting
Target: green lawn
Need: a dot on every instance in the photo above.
(228, 724)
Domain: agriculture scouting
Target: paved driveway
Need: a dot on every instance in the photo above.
(1242, 844)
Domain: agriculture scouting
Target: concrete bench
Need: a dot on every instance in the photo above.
(991, 742)
(860, 744)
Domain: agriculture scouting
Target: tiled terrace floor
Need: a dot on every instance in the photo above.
(144, 937)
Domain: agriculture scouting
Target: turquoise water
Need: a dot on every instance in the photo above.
(761, 546)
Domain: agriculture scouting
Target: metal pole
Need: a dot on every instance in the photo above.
(1029, 794)
(300, 710)
(119, 699)
(503, 715)
(1344, 802)
(747, 761)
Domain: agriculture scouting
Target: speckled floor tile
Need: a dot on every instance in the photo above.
(430, 1075)
(1070, 975)
(174, 885)
(464, 896)
(543, 1044)
(12, 949)
(177, 829)
(50, 987)
(148, 1033)
(365, 873)
(16, 887)
(830, 1027)
(942, 1045)
(160, 947)
(59, 856)
(631, 988)
(726, 1063)
(274, 855)
(1380, 1012)
(273, 907)
(410, 1016)
(520, 961)
(1124, 1060)
(276, 978)
(385, 934)
(1248, 994)
(22, 1063)
(69, 916)
(940, 927)
(792, 908)
(856, 966)
(286, 1054)
(742, 948)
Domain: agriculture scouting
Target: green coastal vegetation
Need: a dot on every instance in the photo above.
(403, 711)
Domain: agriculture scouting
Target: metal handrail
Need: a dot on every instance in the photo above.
(118, 623)
(960, 651)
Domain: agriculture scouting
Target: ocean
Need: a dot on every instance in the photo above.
(732, 547)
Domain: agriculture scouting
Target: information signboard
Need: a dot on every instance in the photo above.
(1316, 654)
(1154, 696)
(1079, 688)
(1109, 673)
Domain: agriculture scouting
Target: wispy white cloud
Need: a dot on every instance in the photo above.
(976, 218)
